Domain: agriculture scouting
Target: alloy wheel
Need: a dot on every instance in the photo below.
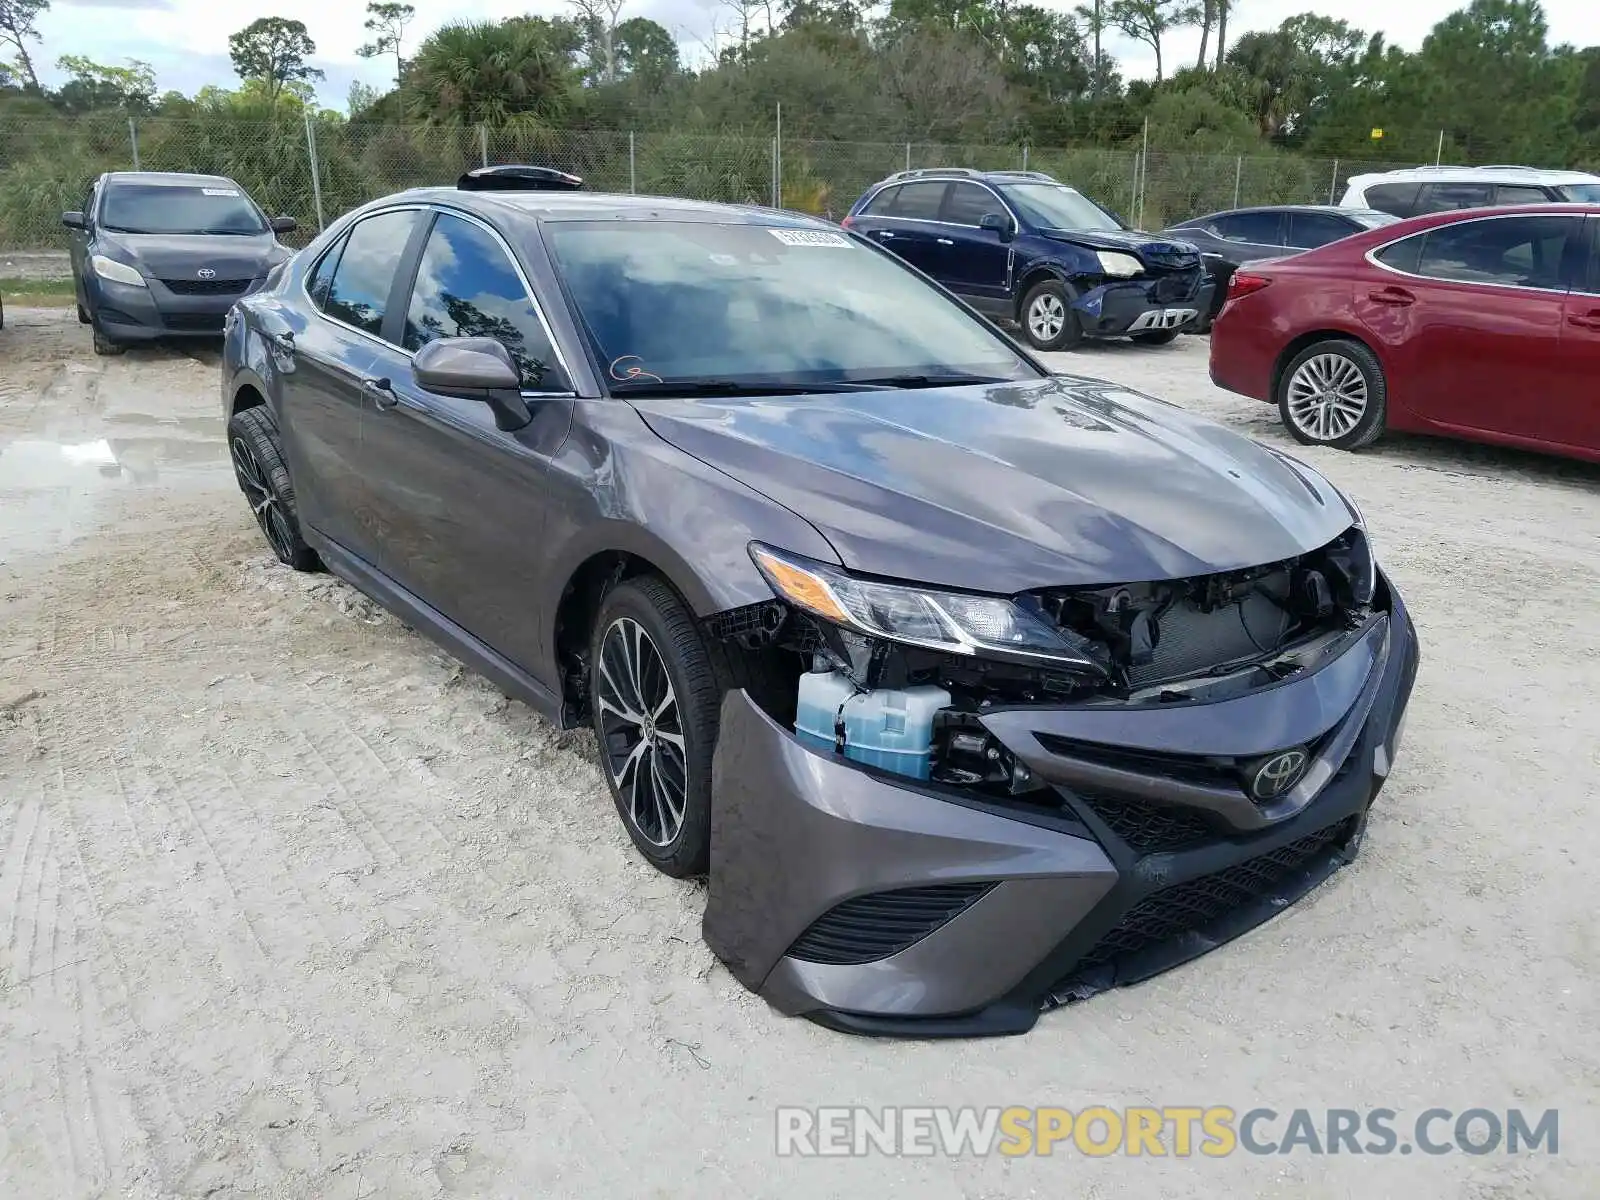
(642, 731)
(1327, 397)
(263, 500)
(1046, 315)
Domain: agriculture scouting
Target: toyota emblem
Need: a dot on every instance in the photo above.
(206, 273)
(1276, 775)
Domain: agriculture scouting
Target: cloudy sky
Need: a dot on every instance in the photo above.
(187, 40)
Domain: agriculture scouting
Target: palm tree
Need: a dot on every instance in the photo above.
(515, 72)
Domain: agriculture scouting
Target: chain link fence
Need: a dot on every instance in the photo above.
(315, 169)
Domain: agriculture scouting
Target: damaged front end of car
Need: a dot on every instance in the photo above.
(938, 813)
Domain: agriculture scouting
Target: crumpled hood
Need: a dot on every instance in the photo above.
(1161, 246)
(1008, 487)
(184, 255)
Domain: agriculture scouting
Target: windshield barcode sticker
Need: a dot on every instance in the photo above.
(809, 237)
(219, 191)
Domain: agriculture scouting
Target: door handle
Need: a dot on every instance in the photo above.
(883, 233)
(1396, 296)
(382, 393)
(945, 242)
(1588, 320)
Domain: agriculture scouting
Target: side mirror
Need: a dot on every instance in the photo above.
(474, 368)
(284, 224)
(74, 220)
(1000, 223)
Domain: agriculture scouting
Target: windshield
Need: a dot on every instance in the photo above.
(1584, 193)
(669, 301)
(178, 208)
(1056, 206)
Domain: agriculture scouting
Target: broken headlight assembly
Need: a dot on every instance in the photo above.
(951, 622)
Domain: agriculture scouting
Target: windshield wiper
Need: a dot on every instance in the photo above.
(723, 387)
(929, 381)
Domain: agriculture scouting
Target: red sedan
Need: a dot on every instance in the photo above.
(1481, 324)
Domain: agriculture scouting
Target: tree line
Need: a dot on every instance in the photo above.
(976, 71)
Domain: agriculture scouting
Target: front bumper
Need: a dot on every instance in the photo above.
(1143, 305)
(129, 313)
(876, 905)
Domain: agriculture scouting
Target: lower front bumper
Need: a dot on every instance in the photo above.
(127, 313)
(1122, 309)
(983, 914)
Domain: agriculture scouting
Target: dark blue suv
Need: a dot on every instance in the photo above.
(1020, 246)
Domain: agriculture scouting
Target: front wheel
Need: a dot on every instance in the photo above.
(105, 345)
(1334, 393)
(655, 698)
(1047, 317)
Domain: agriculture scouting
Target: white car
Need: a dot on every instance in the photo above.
(1411, 193)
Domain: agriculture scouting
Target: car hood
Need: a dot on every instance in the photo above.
(1007, 487)
(184, 255)
(1122, 239)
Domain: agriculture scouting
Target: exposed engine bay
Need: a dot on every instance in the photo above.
(913, 710)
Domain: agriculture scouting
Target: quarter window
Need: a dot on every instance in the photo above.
(881, 204)
(359, 292)
(1519, 251)
(321, 277)
(1399, 199)
(968, 204)
(1403, 255)
(467, 287)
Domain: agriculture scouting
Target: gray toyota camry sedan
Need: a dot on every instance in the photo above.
(975, 689)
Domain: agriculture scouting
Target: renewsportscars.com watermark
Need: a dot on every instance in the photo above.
(1177, 1132)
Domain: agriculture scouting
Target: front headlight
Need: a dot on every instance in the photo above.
(954, 622)
(110, 269)
(1364, 554)
(1123, 266)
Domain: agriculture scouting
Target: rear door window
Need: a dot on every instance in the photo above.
(466, 286)
(1515, 251)
(358, 294)
(918, 202)
(881, 203)
(1258, 228)
(1400, 199)
(1403, 255)
(1519, 193)
(1307, 231)
(1440, 197)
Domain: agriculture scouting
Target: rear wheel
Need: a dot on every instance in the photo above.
(1156, 337)
(655, 696)
(1333, 393)
(264, 479)
(1047, 317)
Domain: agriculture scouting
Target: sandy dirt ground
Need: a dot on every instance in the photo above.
(291, 905)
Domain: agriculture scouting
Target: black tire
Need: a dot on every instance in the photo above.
(263, 477)
(104, 345)
(1070, 332)
(1292, 409)
(83, 315)
(1156, 337)
(684, 662)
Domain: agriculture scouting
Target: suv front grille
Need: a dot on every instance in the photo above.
(1180, 285)
(1190, 906)
(874, 926)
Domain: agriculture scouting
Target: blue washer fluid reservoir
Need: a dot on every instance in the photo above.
(888, 728)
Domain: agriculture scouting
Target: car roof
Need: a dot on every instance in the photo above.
(1507, 173)
(168, 178)
(562, 205)
(1334, 209)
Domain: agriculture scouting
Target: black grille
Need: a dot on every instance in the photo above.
(1190, 906)
(1170, 257)
(1148, 827)
(194, 322)
(875, 926)
(1179, 286)
(206, 287)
